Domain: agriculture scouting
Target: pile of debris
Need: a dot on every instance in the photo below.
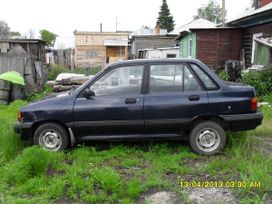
(66, 81)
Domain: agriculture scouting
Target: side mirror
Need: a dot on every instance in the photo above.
(88, 93)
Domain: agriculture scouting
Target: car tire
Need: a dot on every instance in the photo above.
(51, 136)
(207, 138)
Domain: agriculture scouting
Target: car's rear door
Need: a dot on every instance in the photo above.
(117, 107)
(174, 97)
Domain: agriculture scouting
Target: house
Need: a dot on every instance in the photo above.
(187, 38)
(213, 45)
(26, 56)
(147, 38)
(140, 42)
(235, 41)
(100, 48)
(253, 24)
(159, 53)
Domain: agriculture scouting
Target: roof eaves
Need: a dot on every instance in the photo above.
(251, 13)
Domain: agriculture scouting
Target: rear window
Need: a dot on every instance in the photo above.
(207, 81)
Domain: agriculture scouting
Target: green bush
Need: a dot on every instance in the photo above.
(223, 75)
(33, 162)
(36, 95)
(55, 71)
(107, 179)
(10, 143)
(134, 188)
(261, 80)
(267, 98)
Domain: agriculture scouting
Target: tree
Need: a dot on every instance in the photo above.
(255, 3)
(14, 33)
(48, 37)
(4, 29)
(211, 12)
(165, 19)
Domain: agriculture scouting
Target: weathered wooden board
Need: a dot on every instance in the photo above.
(214, 47)
(12, 63)
(59, 88)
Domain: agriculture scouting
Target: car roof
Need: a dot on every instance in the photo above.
(142, 61)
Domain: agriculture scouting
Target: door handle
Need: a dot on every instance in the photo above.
(131, 100)
(194, 97)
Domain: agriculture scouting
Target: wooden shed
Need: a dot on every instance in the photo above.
(26, 56)
(214, 46)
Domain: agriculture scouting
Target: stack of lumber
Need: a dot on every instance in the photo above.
(67, 81)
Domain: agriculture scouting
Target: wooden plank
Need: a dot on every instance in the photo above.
(59, 88)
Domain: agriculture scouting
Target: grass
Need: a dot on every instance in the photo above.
(121, 172)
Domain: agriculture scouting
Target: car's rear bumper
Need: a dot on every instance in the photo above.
(243, 121)
(24, 129)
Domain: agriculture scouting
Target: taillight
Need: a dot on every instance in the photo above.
(19, 115)
(254, 103)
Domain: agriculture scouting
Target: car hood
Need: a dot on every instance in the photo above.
(50, 101)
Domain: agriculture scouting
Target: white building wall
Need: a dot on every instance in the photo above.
(161, 53)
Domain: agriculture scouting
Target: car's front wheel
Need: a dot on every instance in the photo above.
(207, 138)
(51, 136)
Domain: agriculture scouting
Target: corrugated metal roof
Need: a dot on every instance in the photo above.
(22, 41)
(116, 42)
(198, 23)
(251, 12)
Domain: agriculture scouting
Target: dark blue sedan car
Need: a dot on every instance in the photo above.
(144, 99)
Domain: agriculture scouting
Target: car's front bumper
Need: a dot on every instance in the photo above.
(24, 129)
(246, 121)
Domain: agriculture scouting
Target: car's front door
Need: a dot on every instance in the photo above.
(116, 109)
(175, 96)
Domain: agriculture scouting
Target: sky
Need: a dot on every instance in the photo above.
(63, 17)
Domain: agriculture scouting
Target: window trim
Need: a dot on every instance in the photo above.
(80, 95)
(202, 83)
(171, 63)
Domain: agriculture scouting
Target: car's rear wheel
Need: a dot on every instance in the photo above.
(207, 138)
(51, 136)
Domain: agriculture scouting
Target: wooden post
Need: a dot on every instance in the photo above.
(223, 13)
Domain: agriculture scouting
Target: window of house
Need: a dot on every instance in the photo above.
(190, 47)
(255, 35)
(171, 56)
(181, 49)
(91, 54)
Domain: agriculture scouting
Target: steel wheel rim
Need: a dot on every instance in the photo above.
(208, 139)
(50, 140)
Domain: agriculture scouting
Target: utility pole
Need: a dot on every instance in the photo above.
(223, 13)
(116, 24)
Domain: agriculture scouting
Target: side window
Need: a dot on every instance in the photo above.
(166, 78)
(190, 82)
(209, 84)
(119, 81)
